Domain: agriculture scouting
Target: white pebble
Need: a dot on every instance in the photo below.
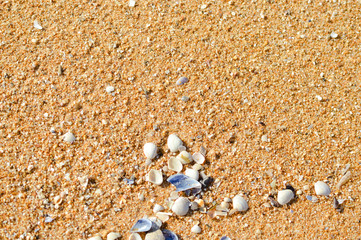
(113, 236)
(182, 81)
(333, 35)
(239, 203)
(150, 150)
(196, 229)
(131, 3)
(322, 189)
(37, 25)
(109, 89)
(69, 137)
(285, 196)
(181, 206)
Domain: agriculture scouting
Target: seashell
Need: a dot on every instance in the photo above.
(182, 148)
(197, 167)
(194, 206)
(322, 188)
(285, 196)
(155, 176)
(198, 158)
(169, 235)
(192, 173)
(182, 81)
(174, 164)
(157, 208)
(196, 229)
(69, 137)
(37, 25)
(142, 225)
(181, 206)
(135, 236)
(174, 142)
(113, 236)
(344, 179)
(185, 157)
(95, 238)
(109, 89)
(163, 216)
(225, 238)
(157, 222)
(150, 150)
(183, 182)
(58, 200)
(239, 203)
(156, 235)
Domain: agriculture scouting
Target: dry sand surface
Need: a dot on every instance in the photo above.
(274, 98)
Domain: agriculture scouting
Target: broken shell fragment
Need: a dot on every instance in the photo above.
(198, 158)
(150, 150)
(135, 236)
(174, 164)
(185, 157)
(113, 236)
(225, 238)
(174, 142)
(156, 235)
(192, 173)
(169, 235)
(155, 176)
(239, 203)
(181, 206)
(95, 238)
(321, 188)
(183, 182)
(163, 216)
(158, 208)
(142, 225)
(344, 179)
(285, 196)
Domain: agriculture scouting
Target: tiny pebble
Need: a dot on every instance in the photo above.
(334, 35)
(131, 3)
(182, 81)
(48, 219)
(185, 98)
(109, 89)
(196, 229)
(37, 25)
(69, 137)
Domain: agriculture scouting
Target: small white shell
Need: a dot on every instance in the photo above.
(69, 137)
(185, 157)
(196, 229)
(157, 221)
(285, 196)
(95, 238)
(192, 173)
(109, 89)
(158, 208)
(163, 216)
(181, 206)
(174, 164)
(150, 150)
(174, 142)
(155, 176)
(113, 236)
(322, 188)
(37, 25)
(135, 236)
(198, 158)
(156, 235)
(239, 203)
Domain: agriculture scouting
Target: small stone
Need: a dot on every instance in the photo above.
(141, 196)
(334, 35)
(109, 89)
(299, 192)
(131, 3)
(319, 98)
(185, 98)
(196, 229)
(113, 236)
(182, 81)
(264, 138)
(69, 137)
(37, 25)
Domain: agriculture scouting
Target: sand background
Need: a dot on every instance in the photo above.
(255, 68)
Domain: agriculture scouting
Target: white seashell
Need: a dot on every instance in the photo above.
(198, 158)
(174, 142)
(150, 150)
(37, 25)
(322, 188)
(182, 148)
(156, 221)
(196, 229)
(285, 196)
(192, 173)
(135, 236)
(155, 176)
(156, 235)
(157, 208)
(95, 238)
(181, 206)
(109, 89)
(69, 137)
(131, 3)
(163, 216)
(185, 157)
(113, 236)
(239, 203)
(344, 179)
(174, 164)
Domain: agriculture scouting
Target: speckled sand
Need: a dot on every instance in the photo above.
(272, 96)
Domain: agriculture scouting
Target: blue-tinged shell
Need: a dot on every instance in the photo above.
(225, 238)
(142, 225)
(169, 235)
(183, 182)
